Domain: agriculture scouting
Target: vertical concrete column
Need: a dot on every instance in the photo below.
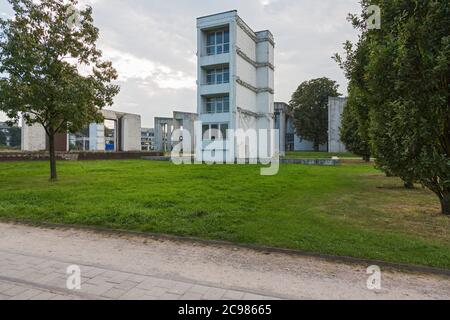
(131, 133)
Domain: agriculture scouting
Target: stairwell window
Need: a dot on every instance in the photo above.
(218, 42)
(218, 104)
(218, 76)
(215, 131)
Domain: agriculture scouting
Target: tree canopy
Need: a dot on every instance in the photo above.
(402, 72)
(309, 104)
(52, 72)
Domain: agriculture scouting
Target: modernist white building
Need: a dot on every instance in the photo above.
(118, 132)
(235, 81)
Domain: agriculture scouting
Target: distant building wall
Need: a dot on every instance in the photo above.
(289, 140)
(186, 121)
(305, 145)
(147, 139)
(335, 109)
(127, 135)
(33, 138)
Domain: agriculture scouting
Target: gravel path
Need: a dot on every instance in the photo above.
(33, 262)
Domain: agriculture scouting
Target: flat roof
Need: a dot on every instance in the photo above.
(216, 14)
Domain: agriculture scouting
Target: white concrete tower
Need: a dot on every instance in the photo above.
(235, 78)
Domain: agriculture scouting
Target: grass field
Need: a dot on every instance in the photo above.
(350, 210)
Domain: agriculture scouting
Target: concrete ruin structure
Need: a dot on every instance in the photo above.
(118, 132)
(169, 131)
(163, 134)
(336, 108)
(235, 79)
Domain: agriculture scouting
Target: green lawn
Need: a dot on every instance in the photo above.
(350, 210)
(318, 155)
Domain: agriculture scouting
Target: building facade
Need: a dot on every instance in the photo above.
(289, 140)
(336, 108)
(10, 135)
(170, 131)
(147, 139)
(235, 80)
(118, 132)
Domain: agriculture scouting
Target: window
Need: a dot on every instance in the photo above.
(218, 105)
(223, 130)
(218, 76)
(215, 131)
(218, 42)
(80, 140)
(110, 135)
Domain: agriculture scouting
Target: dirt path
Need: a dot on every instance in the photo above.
(241, 270)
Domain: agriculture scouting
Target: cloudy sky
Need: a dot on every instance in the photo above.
(152, 44)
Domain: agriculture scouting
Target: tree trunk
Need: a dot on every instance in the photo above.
(409, 185)
(366, 158)
(51, 143)
(445, 202)
(316, 147)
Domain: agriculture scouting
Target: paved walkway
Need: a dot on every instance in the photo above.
(34, 261)
(25, 276)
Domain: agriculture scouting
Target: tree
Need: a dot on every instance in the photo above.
(353, 131)
(355, 119)
(406, 81)
(53, 71)
(309, 104)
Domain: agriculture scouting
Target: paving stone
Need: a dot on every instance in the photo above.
(163, 283)
(191, 296)
(5, 286)
(135, 294)
(137, 278)
(149, 283)
(58, 282)
(61, 297)
(169, 296)
(157, 291)
(15, 290)
(28, 294)
(198, 289)
(252, 296)
(90, 272)
(214, 294)
(179, 288)
(126, 285)
(99, 289)
(116, 276)
(233, 295)
(98, 280)
(114, 293)
(44, 296)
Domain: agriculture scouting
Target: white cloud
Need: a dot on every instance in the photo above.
(132, 67)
